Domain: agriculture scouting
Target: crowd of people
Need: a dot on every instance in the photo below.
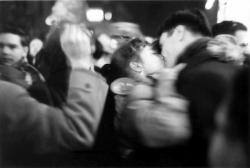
(180, 100)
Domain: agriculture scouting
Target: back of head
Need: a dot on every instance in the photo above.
(228, 27)
(123, 56)
(194, 19)
(17, 30)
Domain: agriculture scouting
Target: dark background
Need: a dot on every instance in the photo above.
(148, 14)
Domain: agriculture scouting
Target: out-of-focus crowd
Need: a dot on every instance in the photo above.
(79, 98)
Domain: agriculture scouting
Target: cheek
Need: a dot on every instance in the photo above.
(154, 65)
(18, 53)
(165, 50)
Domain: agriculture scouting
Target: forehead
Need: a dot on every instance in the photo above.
(10, 38)
(147, 52)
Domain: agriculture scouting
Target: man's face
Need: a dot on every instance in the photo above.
(242, 37)
(169, 42)
(11, 49)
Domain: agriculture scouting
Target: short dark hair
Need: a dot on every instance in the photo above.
(227, 27)
(194, 19)
(15, 29)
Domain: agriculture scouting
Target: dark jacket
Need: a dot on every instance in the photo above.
(205, 82)
(55, 67)
(27, 76)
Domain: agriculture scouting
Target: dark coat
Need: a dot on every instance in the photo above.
(27, 76)
(205, 82)
(55, 67)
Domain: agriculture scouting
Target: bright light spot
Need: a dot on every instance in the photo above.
(209, 4)
(108, 16)
(95, 15)
(149, 39)
(114, 44)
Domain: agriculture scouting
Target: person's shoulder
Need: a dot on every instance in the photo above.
(9, 88)
(218, 67)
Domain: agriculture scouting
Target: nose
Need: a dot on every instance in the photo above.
(5, 50)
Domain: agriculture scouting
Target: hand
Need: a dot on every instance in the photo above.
(141, 91)
(76, 45)
(166, 80)
(171, 73)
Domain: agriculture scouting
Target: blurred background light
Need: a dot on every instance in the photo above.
(95, 15)
(50, 20)
(209, 4)
(108, 16)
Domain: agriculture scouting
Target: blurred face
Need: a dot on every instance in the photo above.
(234, 51)
(151, 61)
(229, 45)
(170, 51)
(243, 40)
(11, 49)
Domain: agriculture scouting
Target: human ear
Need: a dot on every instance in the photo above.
(180, 31)
(136, 66)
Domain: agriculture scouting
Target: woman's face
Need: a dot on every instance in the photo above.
(151, 61)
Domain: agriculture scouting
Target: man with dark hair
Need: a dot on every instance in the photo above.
(13, 62)
(228, 27)
(13, 53)
(234, 28)
(238, 30)
(174, 123)
(13, 44)
(180, 30)
(205, 80)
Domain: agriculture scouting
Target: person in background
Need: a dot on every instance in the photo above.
(229, 145)
(236, 29)
(34, 134)
(13, 43)
(13, 52)
(122, 32)
(227, 47)
(13, 61)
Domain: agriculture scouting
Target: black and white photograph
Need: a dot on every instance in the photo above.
(124, 83)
